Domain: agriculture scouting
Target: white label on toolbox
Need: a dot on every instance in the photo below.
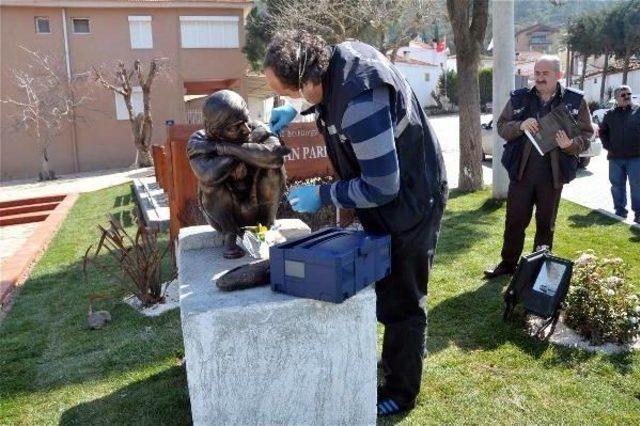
(294, 269)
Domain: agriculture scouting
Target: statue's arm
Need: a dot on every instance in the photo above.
(209, 167)
(263, 150)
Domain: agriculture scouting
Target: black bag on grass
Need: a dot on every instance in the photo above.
(540, 283)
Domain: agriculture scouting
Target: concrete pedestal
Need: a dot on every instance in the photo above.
(259, 357)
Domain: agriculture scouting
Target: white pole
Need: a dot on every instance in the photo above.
(503, 83)
(67, 61)
(67, 58)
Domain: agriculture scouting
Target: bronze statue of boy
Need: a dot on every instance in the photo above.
(239, 166)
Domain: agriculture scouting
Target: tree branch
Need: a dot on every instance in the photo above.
(100, 79)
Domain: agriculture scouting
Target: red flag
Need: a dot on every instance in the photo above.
(441, 45)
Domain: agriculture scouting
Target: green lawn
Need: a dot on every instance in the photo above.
(480, 370)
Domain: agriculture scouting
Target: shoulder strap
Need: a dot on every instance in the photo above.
(518, 98)
(572, 99)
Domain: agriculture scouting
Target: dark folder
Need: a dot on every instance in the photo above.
(558, 119)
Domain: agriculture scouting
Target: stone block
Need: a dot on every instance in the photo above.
(153, 202)
(258, 357)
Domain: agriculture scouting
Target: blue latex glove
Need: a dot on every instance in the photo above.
(281, 117)
(305, 198)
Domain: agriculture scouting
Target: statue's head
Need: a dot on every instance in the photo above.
(226, 116)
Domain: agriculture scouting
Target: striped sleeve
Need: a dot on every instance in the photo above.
(367, 123)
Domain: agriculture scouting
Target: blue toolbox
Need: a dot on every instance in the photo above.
(332, 264)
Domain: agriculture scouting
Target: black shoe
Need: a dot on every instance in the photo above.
(503, 268)
(388, 405)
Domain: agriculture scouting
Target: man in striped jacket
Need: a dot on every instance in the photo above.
(391, 172)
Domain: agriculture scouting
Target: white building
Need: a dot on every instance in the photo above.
(422, 65)
(422, 77)
(592, 83)
(485, 62)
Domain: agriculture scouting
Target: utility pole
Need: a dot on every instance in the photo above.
(503, 83)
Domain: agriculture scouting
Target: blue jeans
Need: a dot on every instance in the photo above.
(619, 170)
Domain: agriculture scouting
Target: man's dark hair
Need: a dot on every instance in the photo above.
(296, 57)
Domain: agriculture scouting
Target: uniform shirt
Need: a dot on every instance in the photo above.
(509, 130)
(538, 168)
(368, 124)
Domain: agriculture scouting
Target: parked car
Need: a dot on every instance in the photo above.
(585, 157)
(594, 150)
(598, 114)
(487, 139)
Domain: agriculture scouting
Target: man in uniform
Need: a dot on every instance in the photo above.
(537, 180)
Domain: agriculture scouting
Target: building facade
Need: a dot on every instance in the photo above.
(537, 37)
(593, 82)
(200, 43)
(422, 64)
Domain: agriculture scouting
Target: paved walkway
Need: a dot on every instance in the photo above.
(69, 184)
(592, 189)
(13, 237)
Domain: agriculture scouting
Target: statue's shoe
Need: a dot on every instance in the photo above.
(250, 275)
(233, 253)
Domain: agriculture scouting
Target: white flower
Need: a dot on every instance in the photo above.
(614, 281)
(610, 292)
(585, 259)
(637, 309)
(633, 320)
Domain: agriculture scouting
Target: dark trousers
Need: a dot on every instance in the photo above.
(523, 195)
(401, 304)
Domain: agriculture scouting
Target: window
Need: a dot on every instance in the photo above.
(140, 32)
(427, 77)
(136, 103)
(539, 39)
(42, 25)
(209, 31)
(81, 26)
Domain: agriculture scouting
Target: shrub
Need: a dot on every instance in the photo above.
(485, 82)
(450, 89)
(601, 305)
(137, 262)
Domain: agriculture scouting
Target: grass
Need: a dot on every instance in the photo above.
(53, 370)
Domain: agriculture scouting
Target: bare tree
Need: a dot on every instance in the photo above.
(46, 103)
(469, 21)
(141, 123)
(335, 20)
(386, 24)
(396, 22)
